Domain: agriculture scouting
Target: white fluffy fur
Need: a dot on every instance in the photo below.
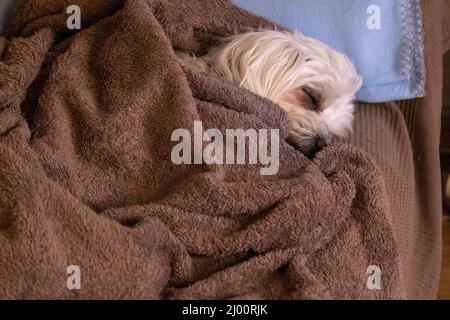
(280, 66)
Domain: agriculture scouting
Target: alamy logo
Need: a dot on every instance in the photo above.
(74, 279)
(374, 20)
(74, 20)
(374, 279)
(252, 147)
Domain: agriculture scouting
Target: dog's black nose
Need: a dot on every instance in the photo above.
(319, 143)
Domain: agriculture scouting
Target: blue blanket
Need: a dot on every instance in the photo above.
(383, 37)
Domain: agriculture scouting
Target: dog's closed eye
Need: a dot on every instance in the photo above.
(308, 99)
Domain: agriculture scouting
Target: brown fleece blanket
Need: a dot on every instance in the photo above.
(87, 178)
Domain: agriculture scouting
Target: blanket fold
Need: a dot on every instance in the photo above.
(87, 180)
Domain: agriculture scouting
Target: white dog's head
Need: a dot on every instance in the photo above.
(315, 84)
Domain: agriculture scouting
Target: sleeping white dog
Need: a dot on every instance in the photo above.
(315, 84)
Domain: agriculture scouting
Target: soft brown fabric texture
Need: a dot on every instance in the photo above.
(87, 179)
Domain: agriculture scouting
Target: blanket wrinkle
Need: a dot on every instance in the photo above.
(87, 180)
(21, 62)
